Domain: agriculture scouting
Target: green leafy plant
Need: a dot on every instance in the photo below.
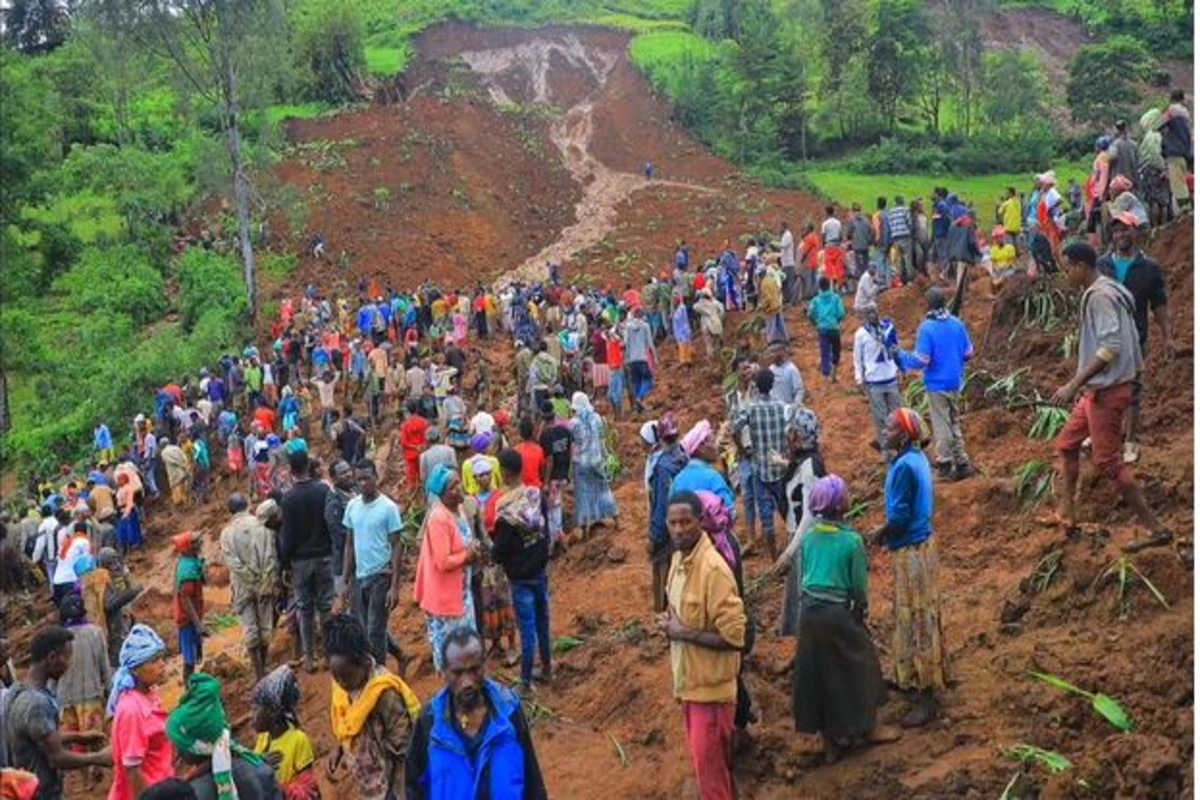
(915, 396)
(1048, 421)
(1045, 308)
(1006, 388)
(565, 644)
(1045, 570)
(1102, 704)
(1028, 754)
(859, 508)
(1122, 571)
(383, 198)
(1035, 482)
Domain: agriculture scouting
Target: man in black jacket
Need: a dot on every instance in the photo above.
(305, 548)
(1176, 127)
(521, 546)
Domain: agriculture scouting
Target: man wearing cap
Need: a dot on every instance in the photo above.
(943, 349)
(1132, 268)
(1110, 359)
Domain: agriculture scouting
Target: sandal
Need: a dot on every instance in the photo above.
(1160, 538)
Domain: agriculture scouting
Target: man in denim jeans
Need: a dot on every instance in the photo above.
(305, 547)
(372, 561)
(521, 546)
(766, 419)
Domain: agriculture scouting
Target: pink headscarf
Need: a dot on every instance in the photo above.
(716, 523)
(697, 436)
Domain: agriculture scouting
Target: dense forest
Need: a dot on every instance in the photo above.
(135, 136)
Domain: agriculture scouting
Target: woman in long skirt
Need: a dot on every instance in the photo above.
(594, 501)
(917, 647)
(837, 685)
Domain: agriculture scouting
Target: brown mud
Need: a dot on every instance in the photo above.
(609, 720)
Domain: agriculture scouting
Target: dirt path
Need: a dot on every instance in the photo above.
(528, 66)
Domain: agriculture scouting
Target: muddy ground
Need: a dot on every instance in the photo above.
(611, 695)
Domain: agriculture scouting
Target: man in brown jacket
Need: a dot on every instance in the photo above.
(705, 623)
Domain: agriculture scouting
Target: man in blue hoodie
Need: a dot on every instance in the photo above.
(943, 349)
(472, 740)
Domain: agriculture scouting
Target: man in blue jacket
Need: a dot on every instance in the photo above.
(668, 462)
(471, 741)
(943, 349)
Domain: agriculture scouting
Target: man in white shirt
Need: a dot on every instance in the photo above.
(867, 294)
(831, 228)
(875, 370)
(787, 262)
(482, 422)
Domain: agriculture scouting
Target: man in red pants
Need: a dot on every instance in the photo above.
(705, 623)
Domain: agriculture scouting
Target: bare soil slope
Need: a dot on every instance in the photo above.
(611, 695)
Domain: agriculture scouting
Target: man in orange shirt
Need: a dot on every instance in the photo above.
(810, 246)
(264, 416)
(533, 458)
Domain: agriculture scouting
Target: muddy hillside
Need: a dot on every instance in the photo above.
(512, 147)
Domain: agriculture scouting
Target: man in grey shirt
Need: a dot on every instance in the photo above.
(1109, 360)
(639, 349)
(436, 453)
(789, 386)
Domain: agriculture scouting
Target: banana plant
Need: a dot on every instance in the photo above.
(1102, 704)
(1048, 421)
(1123, 570)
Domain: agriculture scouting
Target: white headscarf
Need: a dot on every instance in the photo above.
(581, 404)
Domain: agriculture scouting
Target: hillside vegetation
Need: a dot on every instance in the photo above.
(136, 141)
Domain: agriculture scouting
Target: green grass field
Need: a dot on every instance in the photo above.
(982, 190)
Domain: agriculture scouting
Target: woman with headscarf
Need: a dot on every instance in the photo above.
(700, 473)
(280, 740)
(218, 768)
(837, 685)
(917, 647)
(442, 587)
(481, 443)
(142, 754)
(129, 527)
(594, 501)
(81, 689)
(805, 467)
(496, 621)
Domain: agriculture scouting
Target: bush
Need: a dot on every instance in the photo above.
(329, 50)
(208, 280)
(114, 280)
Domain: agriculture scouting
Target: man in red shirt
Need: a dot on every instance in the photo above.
(412, 440)
(264, 415)
(616, 370)
(810, 246)
(533, 458)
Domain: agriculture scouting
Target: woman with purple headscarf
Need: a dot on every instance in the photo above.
(837, 685)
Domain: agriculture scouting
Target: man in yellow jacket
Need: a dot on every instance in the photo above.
(705, 623)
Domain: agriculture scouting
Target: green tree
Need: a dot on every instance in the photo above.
(329, 50)
(716, 19)
(26, 135)
(1101, 79)
(1014, 88)
(956, 33)
(899, 30)
(840, 34)
(114, 279)
(35, 26)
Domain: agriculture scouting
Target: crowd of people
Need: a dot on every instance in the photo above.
(430, 455)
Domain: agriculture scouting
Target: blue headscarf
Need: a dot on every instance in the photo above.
(140, 646)
(438, 480)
